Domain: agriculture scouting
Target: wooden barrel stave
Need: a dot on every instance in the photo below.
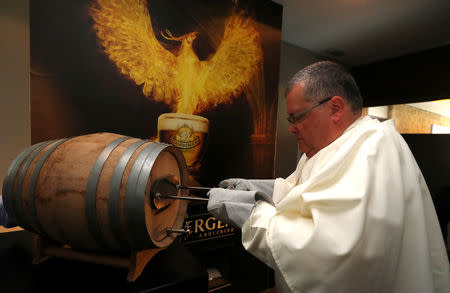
(61, 191)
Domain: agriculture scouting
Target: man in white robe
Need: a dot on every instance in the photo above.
(355, 216)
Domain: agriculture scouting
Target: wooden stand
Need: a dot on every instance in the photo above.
(43, 250)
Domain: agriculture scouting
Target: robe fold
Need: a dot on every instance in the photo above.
(355, 217)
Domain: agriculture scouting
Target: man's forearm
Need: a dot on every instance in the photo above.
(254, 232)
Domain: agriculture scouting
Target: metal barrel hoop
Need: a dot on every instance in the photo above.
(140, 196)
(18, 207)
(130, 192)
(135, 204)
(8, 183)
(91, 189)
(33, 182)
(114, 192)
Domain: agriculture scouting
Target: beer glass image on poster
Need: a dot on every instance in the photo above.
(186, 132)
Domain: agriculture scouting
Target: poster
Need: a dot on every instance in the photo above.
(118, 66)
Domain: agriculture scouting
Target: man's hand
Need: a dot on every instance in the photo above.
(263, 185)
(235, 184)
(234, 206)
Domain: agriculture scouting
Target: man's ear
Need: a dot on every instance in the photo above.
(337, 108)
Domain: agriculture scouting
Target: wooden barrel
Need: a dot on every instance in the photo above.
(92, 191)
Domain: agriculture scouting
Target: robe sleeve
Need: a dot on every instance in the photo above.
(340, 230)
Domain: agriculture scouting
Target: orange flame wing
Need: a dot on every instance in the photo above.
(125, 31)
(187, 84)
(237, 59)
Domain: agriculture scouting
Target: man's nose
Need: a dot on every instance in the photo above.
(292, 128)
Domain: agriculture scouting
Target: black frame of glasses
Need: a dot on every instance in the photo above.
(294, 118)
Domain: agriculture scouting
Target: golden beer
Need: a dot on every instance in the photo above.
(187, 133)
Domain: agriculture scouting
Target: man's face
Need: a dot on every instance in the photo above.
(311, 130)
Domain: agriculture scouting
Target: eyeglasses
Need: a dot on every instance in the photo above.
(294, 118)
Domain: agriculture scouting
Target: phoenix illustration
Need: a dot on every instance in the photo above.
(180, 79)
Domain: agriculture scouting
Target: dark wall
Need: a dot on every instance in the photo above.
(412, 78)
(432, 155)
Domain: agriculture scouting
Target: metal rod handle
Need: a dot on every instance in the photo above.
(159, 196)
(193, 187)
(179, 231)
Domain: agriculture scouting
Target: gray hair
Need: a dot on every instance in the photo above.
(326, 79)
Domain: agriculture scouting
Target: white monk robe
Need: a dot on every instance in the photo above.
(356, 217)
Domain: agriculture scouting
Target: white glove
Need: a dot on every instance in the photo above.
(263, 185)
(234, 206)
